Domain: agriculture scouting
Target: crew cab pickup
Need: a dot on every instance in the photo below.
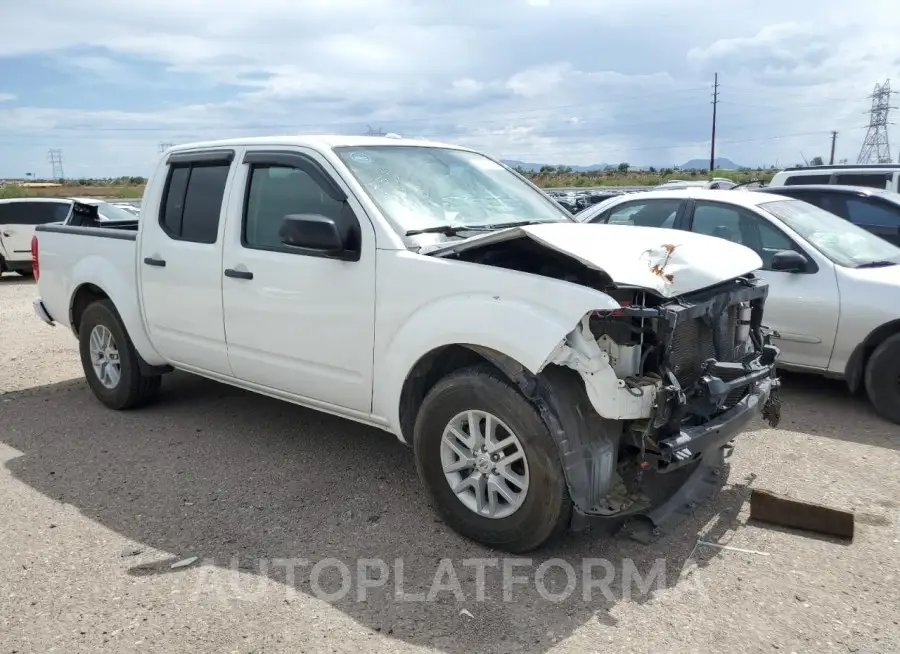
(544, 372)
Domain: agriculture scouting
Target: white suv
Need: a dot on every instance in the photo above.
(18, 218)
(882, 176)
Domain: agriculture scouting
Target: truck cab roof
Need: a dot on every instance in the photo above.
(318, 141)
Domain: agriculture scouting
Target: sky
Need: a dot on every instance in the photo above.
(548, 81)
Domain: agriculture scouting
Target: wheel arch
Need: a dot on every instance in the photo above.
(440, 362)
(557, 393)
(86, 294)
(855, 370)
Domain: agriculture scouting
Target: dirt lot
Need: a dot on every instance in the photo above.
(95, 506)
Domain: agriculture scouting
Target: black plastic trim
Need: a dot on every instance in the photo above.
(100, 232)
(201, 156)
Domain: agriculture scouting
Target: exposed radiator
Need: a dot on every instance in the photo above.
(693, 343)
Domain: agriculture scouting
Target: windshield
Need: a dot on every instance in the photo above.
(838, 239)
(109, 211)
(428, 187)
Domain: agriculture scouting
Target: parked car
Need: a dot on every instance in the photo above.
(880, 176)
(19, 217)
(875, 210)
(592, 198)
(834, 298)
(544, 372)
(715, 182)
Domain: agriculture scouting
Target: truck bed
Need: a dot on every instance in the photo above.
(73, 256)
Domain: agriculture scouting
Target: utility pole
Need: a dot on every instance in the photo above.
(712, 145)
(55, 157)
(833, 139)
(875, 147)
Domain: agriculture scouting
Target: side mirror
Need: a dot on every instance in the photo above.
(312, 232)
(789, 261)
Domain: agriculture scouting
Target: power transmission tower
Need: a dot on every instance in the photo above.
(833, 140)
(375, 132)
(875, 147)
(712, 145)
(163, 146)
(55, 157)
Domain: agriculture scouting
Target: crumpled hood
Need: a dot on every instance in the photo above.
(666, 261)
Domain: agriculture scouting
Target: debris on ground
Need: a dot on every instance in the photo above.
(731, 548)
(184, 562)
(766, 506)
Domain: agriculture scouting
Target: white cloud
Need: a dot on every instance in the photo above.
(7, 97)
(570, 81)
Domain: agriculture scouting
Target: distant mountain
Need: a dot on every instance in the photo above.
(693, 164)
(703, 164)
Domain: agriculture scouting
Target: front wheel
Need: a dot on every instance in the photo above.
(109, 360)
(490, 463)
(883, 379)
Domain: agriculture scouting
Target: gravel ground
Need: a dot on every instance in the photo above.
(96, 506)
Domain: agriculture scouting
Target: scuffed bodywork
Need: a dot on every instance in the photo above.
(612, 397)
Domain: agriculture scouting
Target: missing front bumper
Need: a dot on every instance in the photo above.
(700, 453)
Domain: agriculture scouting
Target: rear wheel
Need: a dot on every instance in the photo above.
(883, 379)
(490, 463)
(110, 362)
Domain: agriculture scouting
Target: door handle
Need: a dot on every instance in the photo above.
(150, 261)
(238, 274)
(7, 234)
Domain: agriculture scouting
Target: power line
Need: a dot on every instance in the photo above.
(875, 147)
(712, 144)
(55, 157)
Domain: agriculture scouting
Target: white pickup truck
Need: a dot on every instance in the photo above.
(546, 373)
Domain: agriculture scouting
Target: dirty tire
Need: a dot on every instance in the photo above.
(883, 379)
(547, 507)
(134, 389)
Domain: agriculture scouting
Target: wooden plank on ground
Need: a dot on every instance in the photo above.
(766, 506)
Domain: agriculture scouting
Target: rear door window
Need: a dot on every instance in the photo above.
(871, 180)
(799, 180)
(193, 201)
(33, 213)
(866, 212)
(644, 213)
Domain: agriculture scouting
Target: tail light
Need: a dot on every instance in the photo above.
(35, 263)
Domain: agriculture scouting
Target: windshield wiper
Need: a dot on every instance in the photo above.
(452, 230)
(877, 264)
(448, 230)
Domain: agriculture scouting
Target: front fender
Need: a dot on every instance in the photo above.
(122, 290)
(525, 331)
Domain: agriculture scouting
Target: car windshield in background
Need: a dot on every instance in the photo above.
(111, 212)
(838, 239)
(431, 187)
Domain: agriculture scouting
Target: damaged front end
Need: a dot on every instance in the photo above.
(673, 381)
